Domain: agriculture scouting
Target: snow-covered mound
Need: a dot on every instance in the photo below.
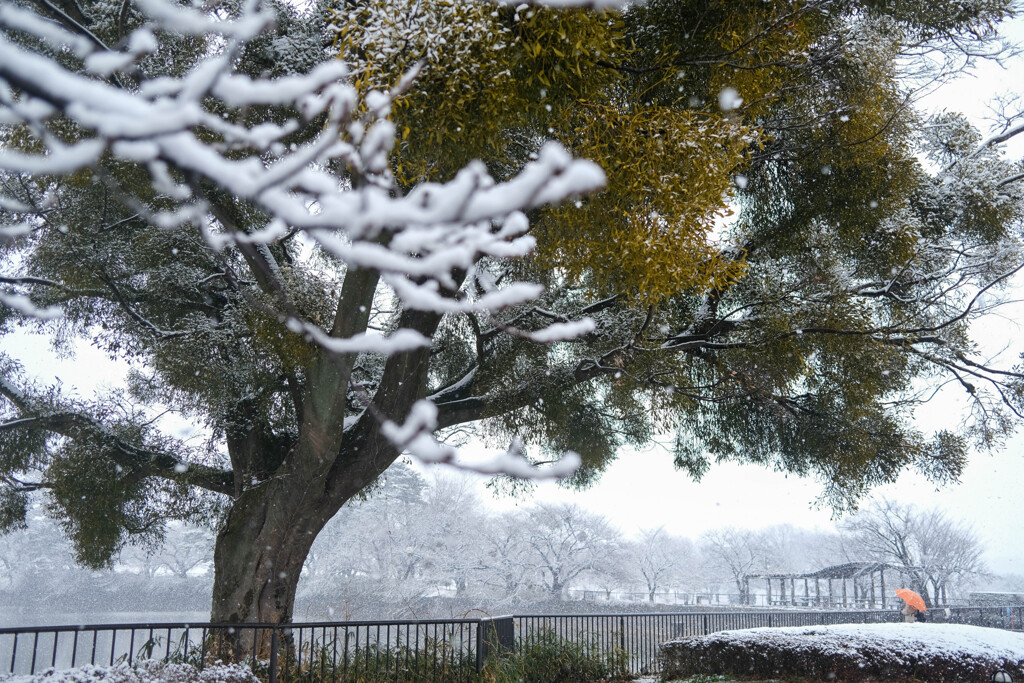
(143, 672)
(852, 652)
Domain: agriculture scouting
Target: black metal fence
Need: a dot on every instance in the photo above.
(406, 650)
(635, 639)
(400, 650)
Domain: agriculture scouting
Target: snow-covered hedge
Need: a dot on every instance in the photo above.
(149, 671)
(851, 652)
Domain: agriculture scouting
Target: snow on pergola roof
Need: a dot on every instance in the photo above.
(850, 570)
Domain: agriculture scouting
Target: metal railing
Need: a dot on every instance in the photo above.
(634, 640)
(399, 650)
(413, 650)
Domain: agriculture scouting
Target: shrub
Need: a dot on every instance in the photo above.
(925, 652)
(548, 658)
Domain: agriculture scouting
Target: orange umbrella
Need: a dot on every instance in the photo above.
(911, 598)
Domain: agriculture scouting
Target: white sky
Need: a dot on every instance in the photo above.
(642, 490)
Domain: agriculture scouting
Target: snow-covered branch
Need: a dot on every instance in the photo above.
(416, 437)
(323, 170)
(433, 229)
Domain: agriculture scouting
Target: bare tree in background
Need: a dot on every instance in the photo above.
(451, 514)
(185, 549)
(736, 553)
(951, 553)
(34, 556)
(800, 550)
(566, 543)
(659, 558)
(931, 549)
(503, 565)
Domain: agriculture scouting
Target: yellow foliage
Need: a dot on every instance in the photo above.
(669, 177)
(760, 46)
(496, 82)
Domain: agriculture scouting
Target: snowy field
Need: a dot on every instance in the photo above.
(928, 651)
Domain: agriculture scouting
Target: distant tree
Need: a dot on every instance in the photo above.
(37, 557)
(611, 572)
(659, 559)
(504, 566)
(931, 550)
(736, 553)
(336, 577)
(185, 549)
(819, 548)
(332, 554)
(566, 543)
(793, 549)
(394, 540)
(453, 518)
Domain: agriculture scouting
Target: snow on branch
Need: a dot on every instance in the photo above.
(23, 305)
(14, 17)
(195, 137)
(580, 4)
(416, 437)
(561, 331)
(399, 342)
(434, 228)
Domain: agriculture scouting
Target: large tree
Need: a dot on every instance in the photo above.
(156, 195)
(198, 195)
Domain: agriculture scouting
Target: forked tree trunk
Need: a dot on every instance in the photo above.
(259, 554)
(271, 526)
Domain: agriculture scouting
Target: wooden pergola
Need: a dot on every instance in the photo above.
(867, 580)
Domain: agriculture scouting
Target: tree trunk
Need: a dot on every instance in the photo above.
(921, 588)
(260, 552)
(271, 525)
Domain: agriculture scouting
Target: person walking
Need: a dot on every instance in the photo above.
(909, 613)
(914, 605)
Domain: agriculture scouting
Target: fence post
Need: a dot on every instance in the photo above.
(273, 655)
(622, 633)
(705, 624)
(493, 636)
